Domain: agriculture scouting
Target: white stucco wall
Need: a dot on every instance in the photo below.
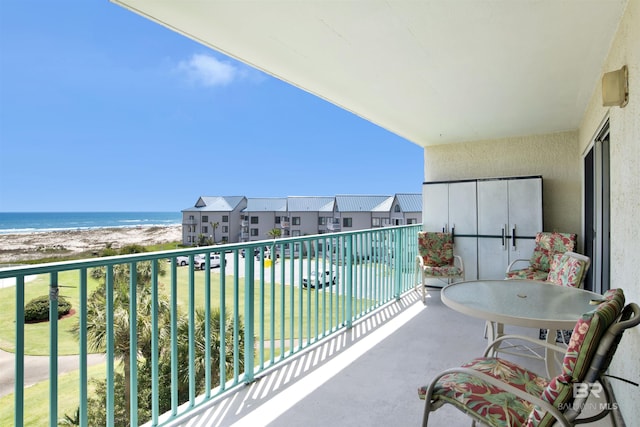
(559, 159)
(556, 157)
(625, 196)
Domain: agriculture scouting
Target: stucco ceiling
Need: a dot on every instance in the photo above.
(432, 72)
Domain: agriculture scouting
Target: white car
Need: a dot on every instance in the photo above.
(323, 279)
(199, 261)
(180, 260)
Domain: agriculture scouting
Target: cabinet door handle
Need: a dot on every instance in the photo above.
(513, 238)
(503, 237)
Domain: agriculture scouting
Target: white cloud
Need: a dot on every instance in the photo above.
(209, 71)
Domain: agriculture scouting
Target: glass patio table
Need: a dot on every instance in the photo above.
(525, 303)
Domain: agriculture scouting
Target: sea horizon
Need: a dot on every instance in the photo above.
(33, 222)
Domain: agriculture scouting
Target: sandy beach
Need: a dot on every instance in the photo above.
(27, 246)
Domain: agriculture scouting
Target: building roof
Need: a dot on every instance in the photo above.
(359, 203)
(266, 204)
(385, 206)
(216, 203)
(410, 202)
(310, 203)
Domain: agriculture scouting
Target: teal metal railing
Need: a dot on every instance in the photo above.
(174, 336)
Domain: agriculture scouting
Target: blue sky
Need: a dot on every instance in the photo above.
(103, 110)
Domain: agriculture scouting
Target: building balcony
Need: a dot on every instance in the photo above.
(334, 225)
(305, 357)
(264, 334)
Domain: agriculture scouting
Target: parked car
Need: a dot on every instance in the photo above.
(180, 260)
(199, 261)
(266, 254)
(319, 279)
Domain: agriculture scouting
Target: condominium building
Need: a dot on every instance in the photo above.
(230, 219)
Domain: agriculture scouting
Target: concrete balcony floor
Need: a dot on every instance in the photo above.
(365, 376)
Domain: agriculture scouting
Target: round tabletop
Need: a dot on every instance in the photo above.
(527, 303)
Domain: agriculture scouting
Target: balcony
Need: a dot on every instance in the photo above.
(174, 361)
(334, 225)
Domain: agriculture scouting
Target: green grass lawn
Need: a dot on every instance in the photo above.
(36, 398)
(37, 334)
(301, 313)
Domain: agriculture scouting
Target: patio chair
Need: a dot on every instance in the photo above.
(436, 260)
(567, 269)
(547, 245)
(497, 392)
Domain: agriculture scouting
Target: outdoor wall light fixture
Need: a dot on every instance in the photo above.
(615, 88)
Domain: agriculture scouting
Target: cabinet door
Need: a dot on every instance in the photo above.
(462, 208)
(435, 206)
(525, 216)
(493, 218)
(449, 205)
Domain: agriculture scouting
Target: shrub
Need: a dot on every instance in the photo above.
(37, 309)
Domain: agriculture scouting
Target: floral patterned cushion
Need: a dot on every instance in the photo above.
(484, 402)
(582, 347)
(587, 333)
(558, 392)
(436, 249)
(444, 271)
(548, 244)
(529, 273)
(566, 270)
(495, 407)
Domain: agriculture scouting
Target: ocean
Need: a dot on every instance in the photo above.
(29, 222)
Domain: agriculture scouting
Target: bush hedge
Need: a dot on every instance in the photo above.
(37, 309)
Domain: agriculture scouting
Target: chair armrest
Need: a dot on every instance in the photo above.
(515, 261)
(460, 262)
(419, 261)
(537, 342)
(546, 406)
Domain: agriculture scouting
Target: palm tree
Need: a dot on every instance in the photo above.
(274, 233)
(215, 342)
(214, 225)
(97, 317)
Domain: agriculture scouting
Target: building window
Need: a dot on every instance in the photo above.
(191, 217)
(205, 218)
(412, 221)
(322, 220)
(375, 222)
(397, 208)
(205, 229)
(347, 222)
(225, 218)
(254, 220)
(225, 228)
(277, 220)
(295, 220)
(295, 233)
(285, 218)
(254, 232)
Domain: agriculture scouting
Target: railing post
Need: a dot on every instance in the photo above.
(110, 346)
(83, 387)
(249, 313)
(349, 280)
(155, 391)
(18, 415)
(133, 344)
(53, 350)
(397, 261)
